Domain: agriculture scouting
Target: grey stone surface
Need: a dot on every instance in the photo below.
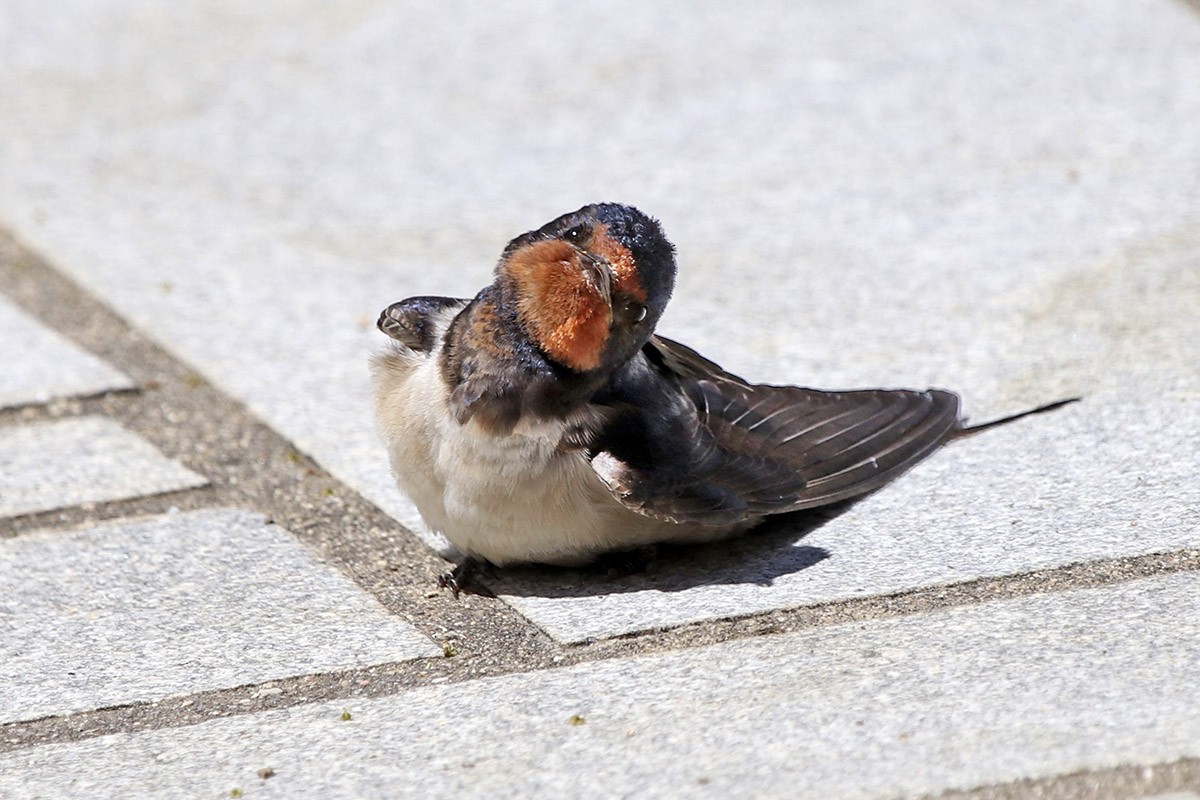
(1107, 477)
(89, 459)
(998, 199)
(40, 365)
(959, 698)
(174, 605)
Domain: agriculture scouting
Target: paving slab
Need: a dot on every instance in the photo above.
(994, 198)
(142, 610)
(1103, 478)
(40, 365)
(85, 460)
(971, 696)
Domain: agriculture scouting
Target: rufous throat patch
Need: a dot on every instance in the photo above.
(562, 312)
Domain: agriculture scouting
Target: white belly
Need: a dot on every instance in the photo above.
(503, 498)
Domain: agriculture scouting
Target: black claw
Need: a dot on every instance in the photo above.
(462, 579)
(448, 579)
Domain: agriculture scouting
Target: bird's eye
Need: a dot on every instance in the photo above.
(577, 234)
(639, 313)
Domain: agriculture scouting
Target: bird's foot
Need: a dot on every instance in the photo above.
(463, 579)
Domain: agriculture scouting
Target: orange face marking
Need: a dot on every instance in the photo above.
(562, 312)
(623, 266)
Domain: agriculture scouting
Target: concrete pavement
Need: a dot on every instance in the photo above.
(209, 205)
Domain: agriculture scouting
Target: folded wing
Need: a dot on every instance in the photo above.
(732, 451)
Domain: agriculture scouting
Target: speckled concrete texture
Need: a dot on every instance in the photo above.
(142, 610)
(1022, 688)
(39, 365)
(85, 460)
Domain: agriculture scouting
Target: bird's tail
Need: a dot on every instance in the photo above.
(974, 429)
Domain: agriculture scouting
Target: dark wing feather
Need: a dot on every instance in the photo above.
(413, 322)
(837, 444)
(727, 451)
(679, 360)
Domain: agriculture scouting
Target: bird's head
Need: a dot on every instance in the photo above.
(589, 287)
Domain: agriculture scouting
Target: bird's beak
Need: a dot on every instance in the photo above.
(598, 274)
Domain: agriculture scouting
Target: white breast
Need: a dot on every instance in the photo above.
(503, 498)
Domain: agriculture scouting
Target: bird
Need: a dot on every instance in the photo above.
(545, 421)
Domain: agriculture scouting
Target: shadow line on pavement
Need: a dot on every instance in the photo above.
(758, 557)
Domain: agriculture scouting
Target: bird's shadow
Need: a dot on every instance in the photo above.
(758, 557)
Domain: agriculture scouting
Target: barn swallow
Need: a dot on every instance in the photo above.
(545, 421)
